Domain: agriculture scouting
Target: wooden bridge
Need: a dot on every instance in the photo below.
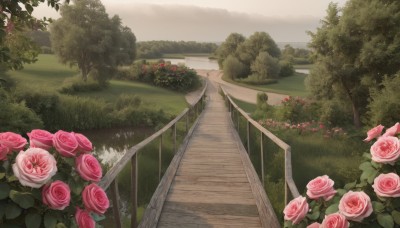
(211, 181)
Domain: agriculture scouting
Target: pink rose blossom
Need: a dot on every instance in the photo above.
(84, 144)
(296, 210)
(335, 220)
(314, 225)
(65, 143)
(83, 219)
(34, 167)
(95, 199)
(56, 195)
(374, 133)
(387, 185)
(3, 152)
(355, 206)
(40, 139)
(321, 187)
(393, 130)
(14, 142)
(386, 150)
(88, 167)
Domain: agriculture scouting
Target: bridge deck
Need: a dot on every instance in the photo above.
(211, 187)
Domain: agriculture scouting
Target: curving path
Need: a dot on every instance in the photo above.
(239, 92)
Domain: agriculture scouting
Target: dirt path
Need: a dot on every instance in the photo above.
(238, 92)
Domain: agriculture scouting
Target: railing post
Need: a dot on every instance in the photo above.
(115, 202)
(248, 137)
(160, 157)
(175, 138)
(262, 158)
(134, 190)
(238, 122)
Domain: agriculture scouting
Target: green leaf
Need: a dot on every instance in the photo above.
(376, 165)
(332, 209)
(378, 207)
(396, 202)
(3, 205)
(2, 172)
(366, 166)
(12, 210)
(385, 220)
(313, 216)
(98, 218)
(33, 220)
(341, 192)
(396, 217)
(372, 176)
(350, 186)
(50, 220)
(28, 8)
(24, 200)
(367, 156)
(288, 224)
(4, 190)
(60, 225)
(12, 178)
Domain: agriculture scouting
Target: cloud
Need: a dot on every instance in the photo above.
(184, 22)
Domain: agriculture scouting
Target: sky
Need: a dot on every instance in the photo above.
(214, 20)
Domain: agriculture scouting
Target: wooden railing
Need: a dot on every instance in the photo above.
(290, 186)
(110, 179)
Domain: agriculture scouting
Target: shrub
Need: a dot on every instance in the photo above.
(385, 106)
(265, 66)
(256, 80)
(286, 69)
(334, 112)
(76, 84)
(178, 78)
(127, 100)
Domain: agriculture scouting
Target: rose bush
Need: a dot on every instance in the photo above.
(372, 201)
(46, 183)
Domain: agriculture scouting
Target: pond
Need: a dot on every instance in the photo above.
(303, 71)
(198, 63)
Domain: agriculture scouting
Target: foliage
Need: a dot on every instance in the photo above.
(385, 107)
(287, 68)
(87, 37)
(233, 68)
(296, 55)
(265, 66)
(229, 47)
(378, 185)
(155, 49)
(353, 49)
(28, 202)
(75, 85)
(334, 112)
(254, 79)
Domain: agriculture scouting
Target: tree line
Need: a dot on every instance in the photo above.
(156, 49)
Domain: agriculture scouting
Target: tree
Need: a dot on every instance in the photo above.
(233, 68)
(229, 47)
(87, 37)
(265, 66)
(256, 43)
(354, 51)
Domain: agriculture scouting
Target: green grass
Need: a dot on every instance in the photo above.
(48, 74)
(247, 107)
(293, 85)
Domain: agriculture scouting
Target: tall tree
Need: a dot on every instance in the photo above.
(229, 47)
(87, 37)
(265, 66)
(354, 51)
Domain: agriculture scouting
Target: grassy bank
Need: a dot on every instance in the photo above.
(293, 85)
(47, 74)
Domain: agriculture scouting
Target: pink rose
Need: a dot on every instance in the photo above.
(88, 167)
(321, 187)
(296, 210)
(95, 199)
(40, 139)
(65, 143)
(34, 167)
(387, 185)
(386, 150)
(3, 152)
(57, 195)
(374, 133)
(314, 225)
(14, 142)
(393, 130)
(83, 219)
(335, 220)
(355, 206)
(84, 145)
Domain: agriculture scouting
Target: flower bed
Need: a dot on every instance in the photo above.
(373, 201)
(52, 183)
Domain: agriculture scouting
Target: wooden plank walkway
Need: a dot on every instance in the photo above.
(212, 186)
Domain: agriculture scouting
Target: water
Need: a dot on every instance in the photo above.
(303, 71)
(198, 63)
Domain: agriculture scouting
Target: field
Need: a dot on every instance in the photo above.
(293, 85)
(48, 74)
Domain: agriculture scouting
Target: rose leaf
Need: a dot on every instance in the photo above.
(33, 220)
(385, 220)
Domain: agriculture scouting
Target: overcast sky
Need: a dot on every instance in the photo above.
(214, 20)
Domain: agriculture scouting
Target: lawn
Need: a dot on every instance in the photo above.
(293, 85)
(48, 74)
(247, 107)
